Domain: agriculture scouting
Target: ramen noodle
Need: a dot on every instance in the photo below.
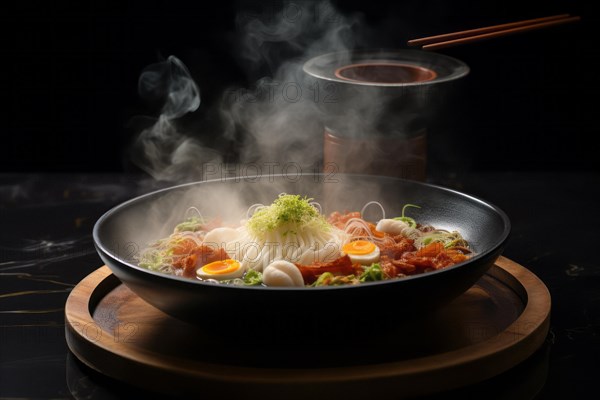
(291, 243)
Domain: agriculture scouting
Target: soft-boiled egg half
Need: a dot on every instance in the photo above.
(362, 251)
(221, 270)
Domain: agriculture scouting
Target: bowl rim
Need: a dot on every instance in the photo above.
(315, 66)
(187, 281)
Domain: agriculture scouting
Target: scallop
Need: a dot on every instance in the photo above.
(391, 226)
(282, 273)
(397, 227)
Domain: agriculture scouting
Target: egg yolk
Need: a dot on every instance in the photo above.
(221, 267)
(374, 231)
(359, 247)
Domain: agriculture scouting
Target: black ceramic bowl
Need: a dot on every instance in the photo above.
(122, 232)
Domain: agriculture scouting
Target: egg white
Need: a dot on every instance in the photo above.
(366, 259)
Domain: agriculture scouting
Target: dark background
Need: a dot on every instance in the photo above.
(68, 81)
(71, 71)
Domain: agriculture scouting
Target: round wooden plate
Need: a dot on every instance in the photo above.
(495, 325)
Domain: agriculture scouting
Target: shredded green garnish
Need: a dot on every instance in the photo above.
(252, 278)
(456, 242)
(448, 239)
(323, 279)
(328, 279)
(372, 273)
(409, 221)
(152, 260)
(287, 209)
(192, 224)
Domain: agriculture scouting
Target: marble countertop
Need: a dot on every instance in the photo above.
(46, 248)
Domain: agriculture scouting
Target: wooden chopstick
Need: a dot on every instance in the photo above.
(472, 35)
(479, 31)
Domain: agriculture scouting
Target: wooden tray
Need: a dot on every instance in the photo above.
(495, 325)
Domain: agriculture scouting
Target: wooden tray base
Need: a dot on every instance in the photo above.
(492, 327)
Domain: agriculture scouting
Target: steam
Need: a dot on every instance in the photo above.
(283, 123)
(296, 30)
(162, 150)
(275, 124)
